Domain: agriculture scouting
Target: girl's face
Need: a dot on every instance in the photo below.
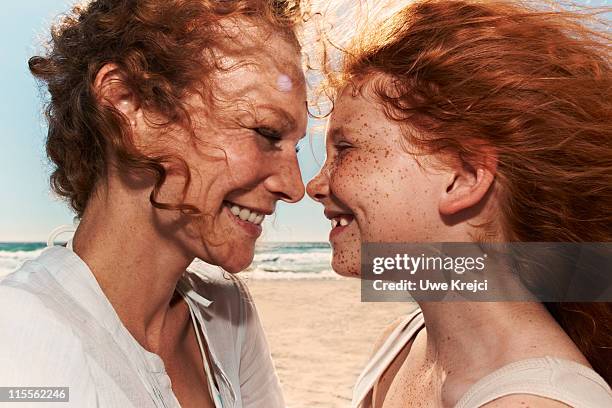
(371, 188)
(243, 158)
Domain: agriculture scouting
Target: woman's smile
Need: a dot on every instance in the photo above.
(248, 219)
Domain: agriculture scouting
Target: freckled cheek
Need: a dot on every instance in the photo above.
(355, 176)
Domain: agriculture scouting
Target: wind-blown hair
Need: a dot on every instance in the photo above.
(164, 49)
(533, 84)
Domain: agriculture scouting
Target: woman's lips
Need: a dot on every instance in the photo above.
(253, 230)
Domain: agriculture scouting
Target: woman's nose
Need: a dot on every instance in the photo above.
(287, 181)
(318, 187)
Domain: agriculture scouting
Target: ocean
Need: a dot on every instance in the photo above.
(273, 260)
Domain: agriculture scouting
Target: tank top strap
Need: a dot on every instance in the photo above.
(384, 356)
(562, 380)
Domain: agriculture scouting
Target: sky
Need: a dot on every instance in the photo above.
(28, 210)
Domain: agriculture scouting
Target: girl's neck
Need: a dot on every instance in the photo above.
(488, 335)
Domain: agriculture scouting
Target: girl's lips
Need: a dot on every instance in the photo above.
(249, 228)
(340, 224)
(336, 231)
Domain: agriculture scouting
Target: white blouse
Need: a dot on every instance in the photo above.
(57, 328)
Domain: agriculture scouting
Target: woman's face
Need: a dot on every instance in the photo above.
(243, 158)
(371, 188)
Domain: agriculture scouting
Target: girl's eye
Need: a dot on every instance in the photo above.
(342, 146)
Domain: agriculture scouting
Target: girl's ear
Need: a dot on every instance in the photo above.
(468, 183)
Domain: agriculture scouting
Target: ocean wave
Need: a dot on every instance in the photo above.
(293, 257)
(259, 274)
(311, 261)
(11, 260)
(267, 272)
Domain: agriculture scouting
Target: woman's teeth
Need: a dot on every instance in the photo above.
(246, 215)
(342, 220)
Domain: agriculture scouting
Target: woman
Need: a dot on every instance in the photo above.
(466, 121)
(173, 128)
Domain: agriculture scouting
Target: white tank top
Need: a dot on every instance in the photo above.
(562, 380)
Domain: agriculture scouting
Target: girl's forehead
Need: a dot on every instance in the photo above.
(354, 108)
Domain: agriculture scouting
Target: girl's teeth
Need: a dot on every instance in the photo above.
(235, 210)
(252, 217)
(341, 221)
(259, 219)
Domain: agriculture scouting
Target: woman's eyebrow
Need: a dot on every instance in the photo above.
(288, 121)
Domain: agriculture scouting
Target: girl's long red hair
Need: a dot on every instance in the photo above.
(534, 84)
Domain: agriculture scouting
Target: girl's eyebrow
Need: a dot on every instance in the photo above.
(335, 132)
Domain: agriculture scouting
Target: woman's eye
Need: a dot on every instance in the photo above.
(270, 134)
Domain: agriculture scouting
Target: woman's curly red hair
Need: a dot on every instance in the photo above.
(163, 48)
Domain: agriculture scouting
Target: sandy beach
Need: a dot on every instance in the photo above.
(321, 336)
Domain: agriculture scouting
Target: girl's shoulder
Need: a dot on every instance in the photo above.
(552, 381)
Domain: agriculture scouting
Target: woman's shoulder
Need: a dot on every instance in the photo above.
(36, 336)
(20, 297)
(24, 313)
(38, 348)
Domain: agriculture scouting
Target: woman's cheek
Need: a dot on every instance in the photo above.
(246, 162)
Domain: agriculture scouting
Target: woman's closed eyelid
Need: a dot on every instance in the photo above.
(274, 137)
(268, 132)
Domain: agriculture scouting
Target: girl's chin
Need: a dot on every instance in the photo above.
(348, 274)
(348, 271)
(346, 261)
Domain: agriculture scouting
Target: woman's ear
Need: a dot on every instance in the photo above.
(468, 183)
(110, 90)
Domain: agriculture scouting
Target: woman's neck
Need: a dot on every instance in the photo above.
(136, 266)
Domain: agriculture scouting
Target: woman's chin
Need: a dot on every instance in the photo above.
(233, 260)
(237, 263)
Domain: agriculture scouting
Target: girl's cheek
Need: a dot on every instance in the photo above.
(346, 175)
(357, 173)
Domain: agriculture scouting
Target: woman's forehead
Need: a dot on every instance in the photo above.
(277, 67)
(247, 40)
